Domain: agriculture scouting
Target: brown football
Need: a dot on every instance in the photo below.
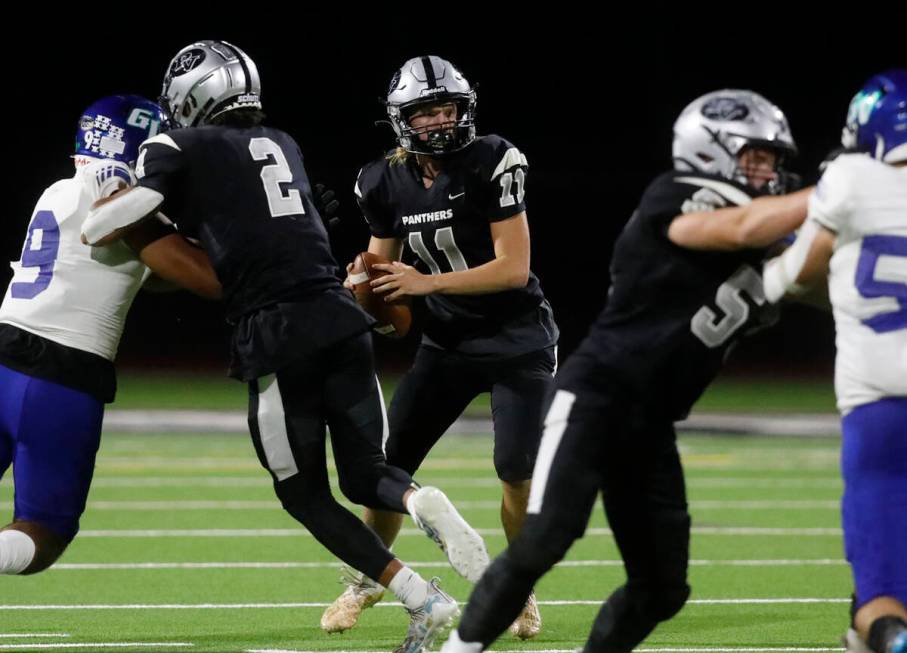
(394, 318)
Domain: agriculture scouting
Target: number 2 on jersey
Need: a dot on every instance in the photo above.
(274, 174)
(871, 287)
(41, 248)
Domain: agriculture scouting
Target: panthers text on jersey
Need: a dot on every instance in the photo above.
(446, 226)
(74, 296)
(864, 201)
(672, 313)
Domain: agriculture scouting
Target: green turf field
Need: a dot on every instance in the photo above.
(215, 392)
(177, 523)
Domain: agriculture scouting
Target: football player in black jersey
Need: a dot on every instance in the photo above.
(457, 200)
(685, 285)
(299, 340)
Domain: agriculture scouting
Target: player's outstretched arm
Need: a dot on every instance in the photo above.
(802, 265)
(760, 223)
(110, 217)
(172, 258)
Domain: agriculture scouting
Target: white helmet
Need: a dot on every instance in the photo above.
(713, 130)
(206, 79)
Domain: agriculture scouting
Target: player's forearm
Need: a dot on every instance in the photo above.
(767, 219)
(502, 273)
(110, 216)
(174, 260)
(802, 265)
(389, 248)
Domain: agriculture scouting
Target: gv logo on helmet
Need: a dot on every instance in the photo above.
(142, 118)
(861, 107)
(186, 62)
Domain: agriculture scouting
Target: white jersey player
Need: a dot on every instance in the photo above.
(856, 232)
(60, 324)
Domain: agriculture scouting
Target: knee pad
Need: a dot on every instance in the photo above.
(300, 498)
(535, 556)
(358, 489)
(514, 467)
(659, 602)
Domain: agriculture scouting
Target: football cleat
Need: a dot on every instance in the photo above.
(429, 620)
(360, 594)
(436, 515)
(529, 622)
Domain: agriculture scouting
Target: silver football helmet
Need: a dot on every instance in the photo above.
(713, 130)
(430, 80)
(206, 79)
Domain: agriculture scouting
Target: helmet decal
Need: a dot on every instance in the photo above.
(186, 62)
(725, 108)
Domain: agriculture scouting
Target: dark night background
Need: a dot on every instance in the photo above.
(589, 98)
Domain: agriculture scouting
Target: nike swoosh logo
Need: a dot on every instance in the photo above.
(453, 197)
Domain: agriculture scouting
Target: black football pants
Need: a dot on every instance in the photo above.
(288, 412)
(596, 440)
(438, 388)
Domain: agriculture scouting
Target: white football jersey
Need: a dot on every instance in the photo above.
(65, 291)
(865, 202)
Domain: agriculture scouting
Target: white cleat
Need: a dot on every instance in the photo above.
(529, 622)
(360, 594)
(428, 621)
(465, 549)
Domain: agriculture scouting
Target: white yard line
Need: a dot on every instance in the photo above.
(111, 480)
(281, 606)
(182, 506)
(217, 421)
(95, 645)
(698, 649)
(274, 504)
(412, 532)
(105, 566)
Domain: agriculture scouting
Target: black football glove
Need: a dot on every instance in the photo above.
(327, 205)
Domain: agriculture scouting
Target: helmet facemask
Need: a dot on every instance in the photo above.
(438, 138)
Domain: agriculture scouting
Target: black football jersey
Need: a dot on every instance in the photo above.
(244, 193)
(673, 313)
(447, 228)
